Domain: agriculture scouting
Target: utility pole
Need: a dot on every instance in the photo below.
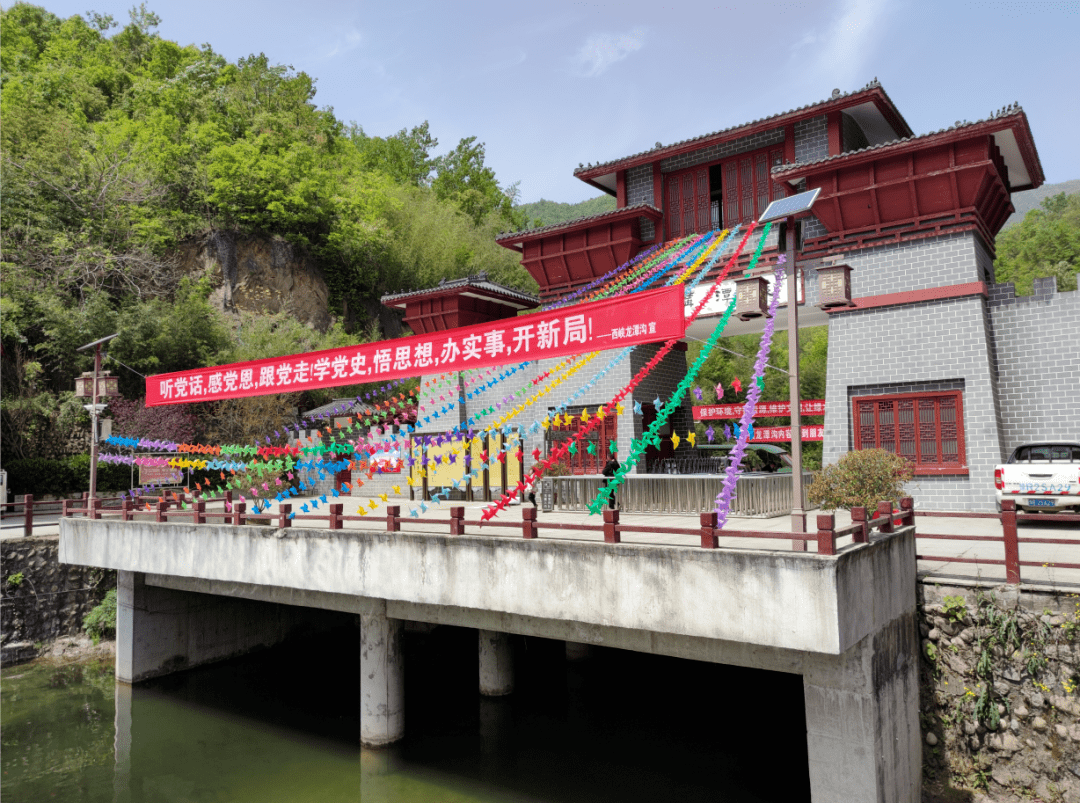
(94, 408)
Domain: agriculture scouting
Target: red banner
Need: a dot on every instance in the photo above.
(711, 412)
(654, 315)
(780, 434)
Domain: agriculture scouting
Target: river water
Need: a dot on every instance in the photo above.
(282, 725)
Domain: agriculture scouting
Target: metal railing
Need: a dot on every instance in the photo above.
(826, 537)
(756, 495)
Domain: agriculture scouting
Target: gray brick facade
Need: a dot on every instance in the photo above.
(812, 139)
(639, 185)
(1038, 370)
(723, 150)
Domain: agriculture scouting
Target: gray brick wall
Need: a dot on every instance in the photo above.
(639, 185)
(812, 139)
(916, 265)
(646, 229)
(935, 345)
(723, 150)
(1039, 373)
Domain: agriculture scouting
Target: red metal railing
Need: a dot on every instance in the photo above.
(1009, 518)
(828, 536)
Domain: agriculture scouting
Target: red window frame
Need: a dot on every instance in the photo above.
(747, 190)
(925, 428)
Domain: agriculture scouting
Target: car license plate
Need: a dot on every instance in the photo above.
(1040, 502)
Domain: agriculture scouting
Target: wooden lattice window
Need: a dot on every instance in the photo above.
(925, 428)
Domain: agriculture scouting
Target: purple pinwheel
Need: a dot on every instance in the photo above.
(697, 393)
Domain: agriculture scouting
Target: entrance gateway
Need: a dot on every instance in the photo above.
(909, 222)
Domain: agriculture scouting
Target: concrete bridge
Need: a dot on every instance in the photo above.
(190, 594)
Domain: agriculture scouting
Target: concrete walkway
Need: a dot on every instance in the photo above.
(1044, 576)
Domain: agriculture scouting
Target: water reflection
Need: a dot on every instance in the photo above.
(282, 725)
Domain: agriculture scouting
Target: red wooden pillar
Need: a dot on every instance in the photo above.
(28, 515)
(861, 535)
(393, 525)
(239, 519)
(826, 534)
(160, 511)
(284, 509)
(95, 507)
(125, 509)
(885, 509)
(709, 539)
(198, 508)
(528, 523)
(335, 516)
(457, 521)
(611, 520)
(1012, 546)
(64, 505)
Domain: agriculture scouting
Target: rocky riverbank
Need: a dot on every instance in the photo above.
(999, 695)
(43, 600)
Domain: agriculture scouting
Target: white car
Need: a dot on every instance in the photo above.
(1041, 477)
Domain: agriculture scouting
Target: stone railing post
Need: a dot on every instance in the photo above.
(528, 523)
(239, 519)
(199, 509)
(457, 521)
(826, 534)
(611, 520)
(861, 535)
(335, 516)
(126, 506)
(284, 509)
(1012, 546)
(884, 508)
(709, 539)
(160, 511)
(907, 512)
(28, 515)
(393, 513)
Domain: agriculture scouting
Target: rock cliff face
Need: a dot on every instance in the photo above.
(259, 274)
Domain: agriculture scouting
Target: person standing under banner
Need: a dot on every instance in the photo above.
(610, 468)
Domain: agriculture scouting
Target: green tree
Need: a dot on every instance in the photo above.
(1046, 243)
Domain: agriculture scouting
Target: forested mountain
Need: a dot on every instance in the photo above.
(118, 147)
(544, 213)
(1046, 243)
(1024, 202)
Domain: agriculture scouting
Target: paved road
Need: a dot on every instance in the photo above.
(1045, 575)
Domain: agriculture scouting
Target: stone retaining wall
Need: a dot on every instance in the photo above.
(48, 601)
(999, 707)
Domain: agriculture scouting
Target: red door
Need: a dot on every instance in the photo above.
(687, 202)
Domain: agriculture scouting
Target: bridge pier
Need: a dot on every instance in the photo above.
(165, 630)
(382, 677)
(862, 718)
(496, 664)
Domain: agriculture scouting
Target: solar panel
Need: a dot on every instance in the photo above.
(792, 205)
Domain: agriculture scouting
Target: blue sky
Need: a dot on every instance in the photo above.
(549, 85)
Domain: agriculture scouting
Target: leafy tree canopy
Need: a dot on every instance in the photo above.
(1046, 243)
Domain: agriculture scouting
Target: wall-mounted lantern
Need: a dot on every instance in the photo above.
(751, 297)
(834, 287)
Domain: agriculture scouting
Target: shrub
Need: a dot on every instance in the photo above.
(40, 476)
(861, 479)
(101, 621)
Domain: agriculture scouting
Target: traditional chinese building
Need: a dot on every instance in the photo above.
(928, 356)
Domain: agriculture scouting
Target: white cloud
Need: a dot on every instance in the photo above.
(602, 50)
(344, 44)
(849, 45)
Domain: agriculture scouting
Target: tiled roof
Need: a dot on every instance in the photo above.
(642, 207)
(479, 282)
(662, 149)
(352, 407)
(1007, 111)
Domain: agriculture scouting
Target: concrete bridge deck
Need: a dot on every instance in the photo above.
(191, 593)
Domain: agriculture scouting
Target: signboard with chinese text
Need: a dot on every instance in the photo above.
(811, 432)
(166, 475)
(721, 299)
(648, 317)
(709, 412)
